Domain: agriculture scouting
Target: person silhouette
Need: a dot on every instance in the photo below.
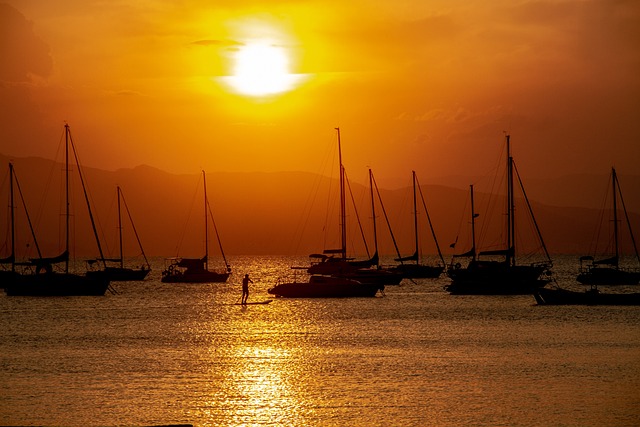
(245, 288)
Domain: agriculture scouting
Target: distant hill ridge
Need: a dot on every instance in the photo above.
(284, 213)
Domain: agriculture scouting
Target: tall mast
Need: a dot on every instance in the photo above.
(511, 259)
(426, 212)
(614, 178)
(66, 186)
(206, 224)
(473, 226)
(86, 199)
(13, 224)
(120, 230)
(26, 211)
(343, 207)
(373, 212)
(135, 232)
(415, 218)
(626, 215)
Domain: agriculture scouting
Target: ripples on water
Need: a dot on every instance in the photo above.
(170, 353)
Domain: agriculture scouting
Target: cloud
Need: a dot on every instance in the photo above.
(23, 53)
(595, 36)
(127, 92)
(218, 43)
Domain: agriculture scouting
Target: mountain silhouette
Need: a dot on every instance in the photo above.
(278, 213)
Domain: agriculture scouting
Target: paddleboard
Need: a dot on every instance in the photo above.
(254, 303)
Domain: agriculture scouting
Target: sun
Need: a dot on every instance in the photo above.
(262, 69)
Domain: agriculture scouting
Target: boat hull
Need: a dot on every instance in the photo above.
(548, 296)
(332, 266)
(608, 276)
(6, 276)
(496, 278)
(57, 284)
(326, 287)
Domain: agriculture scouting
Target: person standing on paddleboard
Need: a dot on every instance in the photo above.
(245, 288)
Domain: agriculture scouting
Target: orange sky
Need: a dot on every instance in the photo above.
(428, 85)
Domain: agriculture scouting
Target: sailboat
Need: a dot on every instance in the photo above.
(319, 286)
(607, 271)
(119, 272)
(375, 273)
(500, 276)
(418, 270)
(335, 261)
(10, 267)
(333, 276)
(44, 277)
(196, 270)
(8, 264)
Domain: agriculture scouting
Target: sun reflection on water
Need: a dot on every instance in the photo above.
(261, 385)
(254, 371)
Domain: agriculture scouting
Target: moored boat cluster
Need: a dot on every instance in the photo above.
(332, 273)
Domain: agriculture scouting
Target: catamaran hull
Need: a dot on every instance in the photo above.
(326, 287)
(608, 276)
(310, 290)
(496, 279)
(57, 284)
(547, 296)
(332, 266)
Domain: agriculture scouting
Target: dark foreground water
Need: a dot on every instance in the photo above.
(160, 354)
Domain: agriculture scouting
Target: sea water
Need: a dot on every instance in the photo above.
(154, 353)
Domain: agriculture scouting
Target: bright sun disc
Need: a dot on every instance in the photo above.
(262, 69)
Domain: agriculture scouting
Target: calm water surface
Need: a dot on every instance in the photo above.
(159, 354)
